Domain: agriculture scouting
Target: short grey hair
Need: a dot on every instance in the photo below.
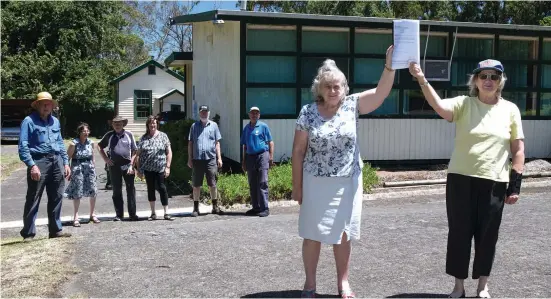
(473, 90)
(328, 71)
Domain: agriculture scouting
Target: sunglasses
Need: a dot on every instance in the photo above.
(492, 77)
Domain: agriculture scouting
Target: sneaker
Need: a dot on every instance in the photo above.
(194, 214)
(264, 213)
(60, 235)
(28, 239)
(252, 212)
(117, 218)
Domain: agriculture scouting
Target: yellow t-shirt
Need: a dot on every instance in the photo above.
(483, 135)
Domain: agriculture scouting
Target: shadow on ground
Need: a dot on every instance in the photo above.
(285, 294)
(418, 295)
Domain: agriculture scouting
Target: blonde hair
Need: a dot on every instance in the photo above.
(328, 72)
(473, 90)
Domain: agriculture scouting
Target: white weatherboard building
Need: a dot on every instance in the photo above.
(147, 90)
(242, 59)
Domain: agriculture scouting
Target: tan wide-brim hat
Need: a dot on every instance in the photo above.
(121, 119)
(43, 96)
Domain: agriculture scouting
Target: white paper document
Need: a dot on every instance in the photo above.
(406, 43)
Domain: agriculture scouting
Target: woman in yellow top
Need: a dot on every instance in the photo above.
(488, 130)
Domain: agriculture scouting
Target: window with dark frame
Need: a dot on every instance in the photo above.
(292, 54)
(151, 70)
(175, 108)
(142, 103)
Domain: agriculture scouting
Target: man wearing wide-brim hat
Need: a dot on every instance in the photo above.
(122, 152)
(41, 148)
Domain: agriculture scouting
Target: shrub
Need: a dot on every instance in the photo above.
(370, 178)
(234, 188)
(180, 173)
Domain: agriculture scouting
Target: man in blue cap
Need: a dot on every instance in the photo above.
(258, 156)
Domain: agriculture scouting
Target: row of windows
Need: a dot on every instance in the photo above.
(282, 101)
(376, 42)
(272, 78)
(283, 69)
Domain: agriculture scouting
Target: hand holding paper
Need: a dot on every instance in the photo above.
(406, 43)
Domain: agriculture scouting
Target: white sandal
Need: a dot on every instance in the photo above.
(484, 294)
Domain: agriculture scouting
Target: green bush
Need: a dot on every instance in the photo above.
(180, 173)
(370, 178)
(234, 188)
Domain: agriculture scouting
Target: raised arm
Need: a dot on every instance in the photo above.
(371, 99)
(443, 108)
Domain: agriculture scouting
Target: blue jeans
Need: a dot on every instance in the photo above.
(52, 177)
(257, 171)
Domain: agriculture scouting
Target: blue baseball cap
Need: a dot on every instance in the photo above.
(489, 64)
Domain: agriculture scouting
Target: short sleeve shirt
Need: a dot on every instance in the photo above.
(257, 138)
(204, 140)
(333, 146)
(120, 146)
(153, 152)
(483, 135)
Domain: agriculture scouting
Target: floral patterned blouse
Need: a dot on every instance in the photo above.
(333, 146)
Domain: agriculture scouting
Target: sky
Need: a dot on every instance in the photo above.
(205, 6)
(209, 5)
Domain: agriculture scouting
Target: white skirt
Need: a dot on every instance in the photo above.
(330, 207)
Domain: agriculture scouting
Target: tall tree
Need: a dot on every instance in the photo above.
(71, 49)
(514, 12)
(152, 23)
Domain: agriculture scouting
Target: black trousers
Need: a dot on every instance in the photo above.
(117, 175)
(156, 181)
(474, 207)
(52, 179)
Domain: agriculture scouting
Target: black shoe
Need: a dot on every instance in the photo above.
(264, 213)
(252, 212)
(457, 295)
(60, 235)
(217, 210)
(195, 212)
(108, 187)
(134, 218)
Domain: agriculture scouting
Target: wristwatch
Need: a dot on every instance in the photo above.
(424, 83)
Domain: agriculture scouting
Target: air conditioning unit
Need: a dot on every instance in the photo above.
(436, 70)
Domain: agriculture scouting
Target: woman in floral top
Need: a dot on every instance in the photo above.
(82, 182)
(153, 161)
(327, 168)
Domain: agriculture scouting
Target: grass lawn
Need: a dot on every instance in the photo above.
(9, 163)
(37, 268)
